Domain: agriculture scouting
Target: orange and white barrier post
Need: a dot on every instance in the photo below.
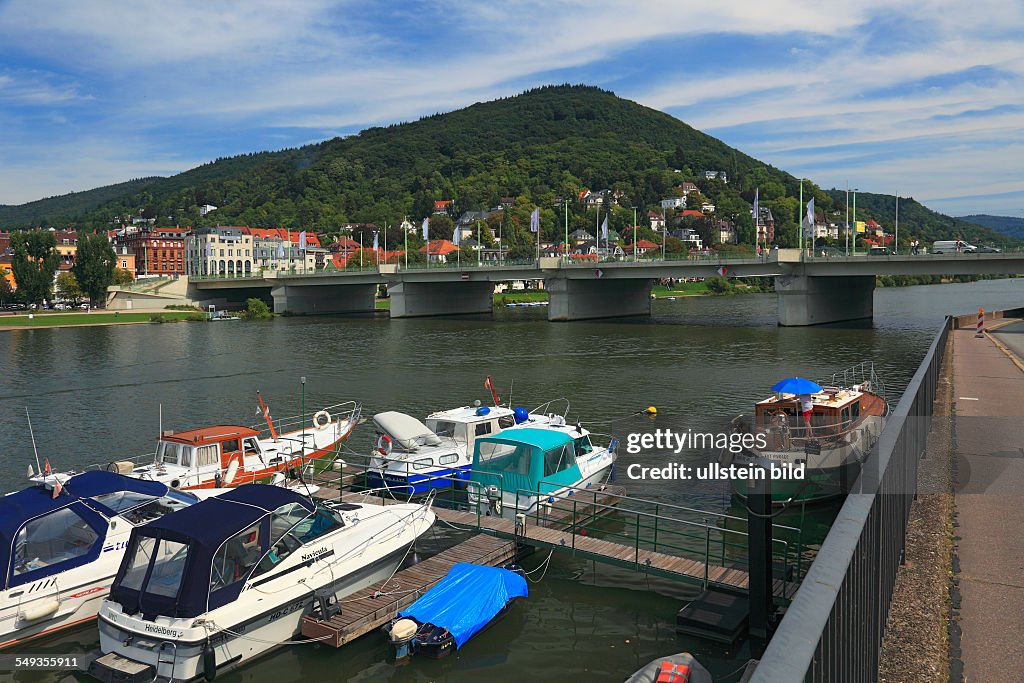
(981, 323)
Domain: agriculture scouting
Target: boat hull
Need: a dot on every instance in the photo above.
(416, 484)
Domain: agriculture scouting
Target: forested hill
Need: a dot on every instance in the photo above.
(1008, 225)
(544, 144)
(547, 142)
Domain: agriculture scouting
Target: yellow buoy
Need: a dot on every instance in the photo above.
(651, 410)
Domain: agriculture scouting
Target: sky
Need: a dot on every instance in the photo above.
(924, 98)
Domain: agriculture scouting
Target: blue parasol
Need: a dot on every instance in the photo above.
(797, 385)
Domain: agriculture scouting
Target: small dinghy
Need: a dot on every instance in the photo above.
(680, 668)
(465, 601)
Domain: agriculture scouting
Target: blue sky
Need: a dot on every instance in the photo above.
(920, 97)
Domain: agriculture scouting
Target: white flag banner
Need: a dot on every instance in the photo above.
(757, 208)
(375, 241)
(302, 240)
(808, 226)
(535, 220)
(457, 236)
(426, 229)
(604, 229)
(280, 250)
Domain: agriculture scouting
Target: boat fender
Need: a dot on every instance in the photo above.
(322, 420)
(384, 445)
(232, 471)
(175, 484)
(37, 612)
(209, 662)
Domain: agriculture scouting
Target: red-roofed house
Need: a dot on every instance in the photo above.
(444, 205)
(692, 213)
(642, 246)
(437, 251)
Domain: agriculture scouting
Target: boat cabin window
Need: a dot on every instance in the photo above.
(316, 525)
(844, 415)
(53, 538)
(583, 445)
(140, 554)
(483, 429)
(422, 463)
(506, 421)
(167, 453)
(235, 558)
(448, 458)
(558, 459)
(250, 446)
(855, 409)
(442, 427)
(282, 543)
(168, 568)
(119, 501)
(495, 456)
(207, 455)
(230, 446)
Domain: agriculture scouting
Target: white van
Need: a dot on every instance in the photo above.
(949, 247)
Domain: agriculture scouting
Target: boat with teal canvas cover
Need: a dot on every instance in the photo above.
(522, 467)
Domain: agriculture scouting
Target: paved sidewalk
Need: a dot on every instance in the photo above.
(988, 395)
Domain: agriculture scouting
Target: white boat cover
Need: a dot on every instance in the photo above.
(407, 431)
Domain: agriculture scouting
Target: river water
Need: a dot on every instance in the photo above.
(96, 394)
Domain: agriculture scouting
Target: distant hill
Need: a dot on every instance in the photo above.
(545, 144)
(916, 219)
(1008, 225)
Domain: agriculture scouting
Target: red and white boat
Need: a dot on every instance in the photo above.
(228, 455)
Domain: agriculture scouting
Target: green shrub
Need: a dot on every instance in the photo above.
(157, 318)
(256, 309)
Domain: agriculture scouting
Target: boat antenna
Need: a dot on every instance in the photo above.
(33, 437)
(511, 384)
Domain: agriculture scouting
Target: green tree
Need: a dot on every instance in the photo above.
(94, 266)
(122, 277)
(68, 289)
(256, 309)
(7, 293)
(34, 261)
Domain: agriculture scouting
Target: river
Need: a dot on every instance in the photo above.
(96, 393)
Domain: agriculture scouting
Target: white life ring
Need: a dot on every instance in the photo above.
(384, 445)
(322, 420)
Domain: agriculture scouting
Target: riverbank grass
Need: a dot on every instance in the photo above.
(68, 319)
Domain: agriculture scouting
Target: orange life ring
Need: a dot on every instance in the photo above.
(384, 445)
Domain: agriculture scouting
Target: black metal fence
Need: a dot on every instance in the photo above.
(833, 629)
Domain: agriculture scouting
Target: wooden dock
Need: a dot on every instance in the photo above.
(378, 604)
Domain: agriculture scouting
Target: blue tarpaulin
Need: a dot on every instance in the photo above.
(466, 599)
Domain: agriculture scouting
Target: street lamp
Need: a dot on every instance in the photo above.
(636, 255)
(855, 220)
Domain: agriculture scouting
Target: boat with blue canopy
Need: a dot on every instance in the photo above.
(210, 587)
(460, 605)
(61, 544)
(523, 467)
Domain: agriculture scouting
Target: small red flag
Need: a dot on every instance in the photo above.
(46, 466)
(57, 488)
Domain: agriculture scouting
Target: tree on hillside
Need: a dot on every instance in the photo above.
(33, 263)
(94, 266)
(68, 289)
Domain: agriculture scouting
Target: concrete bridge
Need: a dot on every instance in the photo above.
(811, 290)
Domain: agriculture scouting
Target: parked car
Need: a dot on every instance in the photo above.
(880, 251)
(988, 250)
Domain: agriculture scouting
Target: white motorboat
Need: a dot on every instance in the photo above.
(524, 467)
(411, 457)
(60, 546)
(216, 585)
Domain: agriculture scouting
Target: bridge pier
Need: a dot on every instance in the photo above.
(810, 300)
(323, 299)
(420, 299)
(585, 299)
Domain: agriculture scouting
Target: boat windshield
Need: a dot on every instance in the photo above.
(156, 508)
(497, 456)
(583, 445)
(174, 454)
(119, 501)
(58, 537)
(168, 559)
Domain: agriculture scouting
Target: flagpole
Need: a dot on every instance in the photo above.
(801, 217)
(565, 252)
(855, 221)
(406, 231)
(847, 217)
(896, 240)
(538, 237)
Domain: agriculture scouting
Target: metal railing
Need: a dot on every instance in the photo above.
(833, 630)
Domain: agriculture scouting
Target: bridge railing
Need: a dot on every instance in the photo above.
(834, 627)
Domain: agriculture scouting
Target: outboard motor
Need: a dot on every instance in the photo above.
(494, 500)
(401, 636)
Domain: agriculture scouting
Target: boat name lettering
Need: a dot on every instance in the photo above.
(163, 630)
(284, 611)
(315, 554)
(120, 545)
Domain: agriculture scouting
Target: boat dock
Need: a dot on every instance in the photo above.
(375, 606)
(572, 525)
